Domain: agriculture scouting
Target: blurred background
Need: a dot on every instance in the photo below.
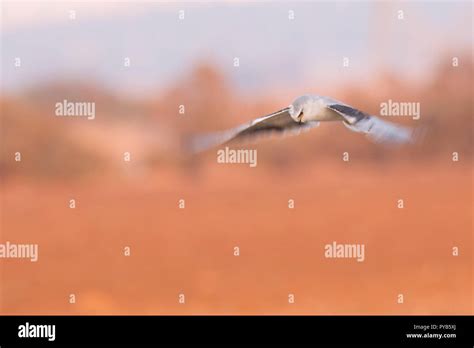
(76, 51)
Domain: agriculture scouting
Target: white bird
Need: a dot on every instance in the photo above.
(305, 113)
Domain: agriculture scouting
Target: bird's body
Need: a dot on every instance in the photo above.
(307, 112)
(315, 109)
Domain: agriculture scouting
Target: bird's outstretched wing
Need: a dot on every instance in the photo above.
(377, 130)
(279, 122)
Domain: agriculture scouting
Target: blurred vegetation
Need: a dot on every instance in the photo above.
(54, 147)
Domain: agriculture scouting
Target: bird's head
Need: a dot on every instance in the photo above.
(297, 108)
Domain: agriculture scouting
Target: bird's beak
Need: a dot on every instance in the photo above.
(300, 117)
(296, 115)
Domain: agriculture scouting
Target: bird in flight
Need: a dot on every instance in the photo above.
(307, 112)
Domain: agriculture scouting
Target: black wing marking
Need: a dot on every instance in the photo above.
(279, 121)
(377, 130)
(350, 114)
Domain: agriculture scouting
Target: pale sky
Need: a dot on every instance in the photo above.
(272, 49)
